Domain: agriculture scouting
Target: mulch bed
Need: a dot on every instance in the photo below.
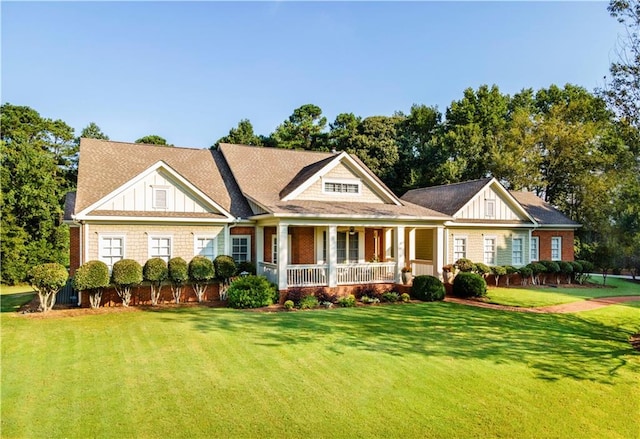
(635, 341)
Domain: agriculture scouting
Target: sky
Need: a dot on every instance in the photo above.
(190, 71)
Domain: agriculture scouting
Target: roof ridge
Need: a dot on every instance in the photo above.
(192, 148)
(280, 149)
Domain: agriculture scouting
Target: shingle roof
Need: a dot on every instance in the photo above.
(447, 199)
(265, 175)
(543, 212)
(106, 165)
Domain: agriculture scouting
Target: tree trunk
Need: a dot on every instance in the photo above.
(95, 298)
(199, 289)
(177, 292)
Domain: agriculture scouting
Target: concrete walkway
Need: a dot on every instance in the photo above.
(583, 305)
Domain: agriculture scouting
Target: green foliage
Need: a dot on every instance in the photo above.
(482, 269)
(464, 265)
(242, 135)
(303, 130)
(390, 296)
(201, 269)
(155, 270)
(369, 300)
(288, 305)
(178, 271)
(566, 268)
(126, 272)
(469, 285)
(93, 131)
(499, 270)
(153, 139)
(347, 301)
(47, 279)
(525, 272)
(91, 275)
(427, 288)
(251, 292)
(308, 302)
(405, 298)
(246, 266)
(225, 267)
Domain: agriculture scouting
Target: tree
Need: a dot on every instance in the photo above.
(225, 267)
(153, 139)
(242, 135)
(155, 271)
(604, 259)
(303, 130)
(93, 131)
(125, 275)
(47, 280)
(92, 277)
(201, 271)
(178, 275)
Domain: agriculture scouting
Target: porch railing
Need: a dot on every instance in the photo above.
(307, 275)
(421, 267)
(367, 273)
(268, 270)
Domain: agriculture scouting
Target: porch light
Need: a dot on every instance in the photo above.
(352, 230)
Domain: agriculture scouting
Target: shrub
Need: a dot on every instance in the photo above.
(347, 302)
(585, 272)
(309, 302)
(390, 296)
(327, 304)
(469, 285)
(155, 271)
(178, 275)
(369, 300)
(428, 288)
(567, 269)
(525, 273)
(288, 305)
(482, 269)
(125, 275)
(201, 271)
(295, 294)
(536, 270)
(464, 265)
(498, 271)
(551, 267)
(92, 277)
(251, 292)
(47, 279)
(405, 297)
(326, 296)
(225, 267)
(246, 266)
(511, 270)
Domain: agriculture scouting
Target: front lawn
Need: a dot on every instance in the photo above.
(416, 370)
(547, 295)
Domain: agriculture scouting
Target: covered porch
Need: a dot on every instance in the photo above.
(348, 253)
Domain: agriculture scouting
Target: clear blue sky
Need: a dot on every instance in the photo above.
(190, 71)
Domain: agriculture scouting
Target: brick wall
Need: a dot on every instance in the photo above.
(544, 239)
(251, 231)
(302, 245)
(74, 249)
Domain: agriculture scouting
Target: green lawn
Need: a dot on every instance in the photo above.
(549, 295)
(13, 297)
(417, 370)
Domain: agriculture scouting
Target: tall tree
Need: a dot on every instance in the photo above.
(242, 135)
(153, 139)
(93, 131)
(303, 130)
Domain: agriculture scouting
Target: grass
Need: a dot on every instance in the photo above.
(13, 297)
(549, 295)
(425, 370)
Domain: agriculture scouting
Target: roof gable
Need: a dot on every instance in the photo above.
(544, 213)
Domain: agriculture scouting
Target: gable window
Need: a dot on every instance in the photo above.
(341, 187)
(534, 248)
(556, 248)
(160, 247)
(348, 247)
(241, 248)
(459, 247)
(160, 197)
(206, 246)
(490, 250)
(490, 208)
(517, 251)
(111, 250)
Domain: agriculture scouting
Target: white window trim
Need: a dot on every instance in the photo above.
(535, 239)
(154, 189)
(466, 246)
(360, 257)
(355, 181)
(522, 250)
(487, 202)
(159, 236)
(248, 237)
(112, 235)
(559, 240)
(212, 237)
(495, 249)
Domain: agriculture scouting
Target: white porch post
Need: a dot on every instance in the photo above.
(439, 250)
(412, 245)
(333, 256)
(283, 255)
(227, 239)
(259, 246)
(399, 251)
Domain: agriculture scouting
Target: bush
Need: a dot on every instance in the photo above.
(295, 294)
(464, 265)
(584, 274)
(251, 292)
(347, 302)
(525, 273)
(406, 298)
(369, 300)
(126, 274)
(428, 288)
(246, 266)
(326, 296)
(288, 305)
(92, 277)
(551, 268)
(178, 275)
(155, 271)
(225, 267)
(482, 269)
(498, 271)
(201, 271)
(536, 270)
(47, 279)
(390, 296)
(469, 285)
(567, 269)
(309, 302)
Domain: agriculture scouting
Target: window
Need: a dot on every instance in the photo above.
(274, 248)
(490, 208)
(516, 251)
(241, 248)
(459, 247)
(111, 249)
(534, 249)
(556, 248)
(160, 247)
(490, 250)
(348, 247)
(342, 187)
(206, 246)
(159, 198)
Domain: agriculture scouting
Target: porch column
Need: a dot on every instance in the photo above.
(439, 250)
(399, 251)
(259, 246)
(411, 245)
(332, 251)
(283, 255)
(227, 239)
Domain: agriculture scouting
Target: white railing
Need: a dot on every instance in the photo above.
(308, 275)
(421, 267)
(367, 273)
(268, 270)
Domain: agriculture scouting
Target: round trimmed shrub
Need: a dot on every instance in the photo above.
(482, 269)
(469, 285)
(92, 275)
(465, 265)
(251, 292)
(525, 272)
(201, 269)
(225, 267)
(309, 302)
(47, 279)
(576, 266)
(405, 298)
(427, 288)
(155, 270)
(126, 273)
(288, 305)
(178, 271)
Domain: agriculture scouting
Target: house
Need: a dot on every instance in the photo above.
(306, 219)
(498, 227)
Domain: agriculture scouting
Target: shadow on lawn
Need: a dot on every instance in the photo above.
(13, 302)
(557, 346)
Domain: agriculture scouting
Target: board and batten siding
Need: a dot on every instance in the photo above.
(137, 239)
(139, 197)
(339, 173)
(476, 208)
(475, 244)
